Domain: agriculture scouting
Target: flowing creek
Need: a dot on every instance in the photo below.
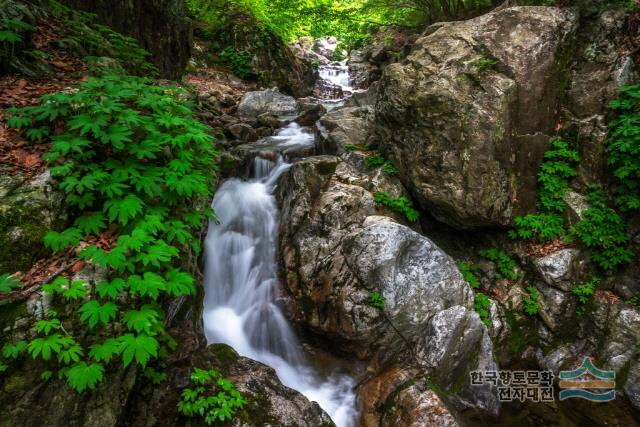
(241, 280)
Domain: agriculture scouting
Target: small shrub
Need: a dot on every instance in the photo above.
(468, 273)
(530, 301)
(553, 182)
(239, 60)
(482, 304)
(623, 148)
(377, 160)
(585, 292)
(376, 300)
(8, 282)
(213, 408)
(398, 204)
(603, 231)
(504, 264)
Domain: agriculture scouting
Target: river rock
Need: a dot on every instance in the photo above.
(243, 132)
(464, 117)
(269, 101)
(349, 126)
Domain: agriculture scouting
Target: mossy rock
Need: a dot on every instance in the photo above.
(29, 208)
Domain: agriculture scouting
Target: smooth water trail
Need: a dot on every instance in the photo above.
(242, 287)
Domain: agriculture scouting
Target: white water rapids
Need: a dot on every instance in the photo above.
(241, 284)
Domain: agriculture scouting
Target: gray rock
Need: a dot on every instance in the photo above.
(556, 268)
(632, 386)
(267, 101)
(341, 127)
(29, 208)
(576, 205)
(456, 343)
(555, 306)
(464, 117)
(242, 132)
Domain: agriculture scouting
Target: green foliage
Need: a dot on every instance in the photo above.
(530, 301)
(377, 160)
(504, 264)
(8, 282)
(603, 231)
(482, 304)
(486, 64)
(541, 226)
(84, 376)
(213, 408)
(553, 182)
(133, 159)
(11, 34)
(13, 351)
(623, 148)
(398, 204)
(356, 147)
(351, 21)
(468, 271)
(240, 61)
(585, 292)
(376, 300)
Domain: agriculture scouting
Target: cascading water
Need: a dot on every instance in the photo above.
(241, 284)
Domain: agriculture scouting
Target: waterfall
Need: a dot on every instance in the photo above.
(242, 287)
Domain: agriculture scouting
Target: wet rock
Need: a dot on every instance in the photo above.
(269, 101)
(269, 120)
(396, 398)
(464, 117)
(311, 114)
(243, 132)
(29, 208)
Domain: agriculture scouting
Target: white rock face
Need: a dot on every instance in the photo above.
(555, 267)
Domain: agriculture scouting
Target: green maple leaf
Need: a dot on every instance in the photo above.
(57, 241)
(47, 326)
(124, 209)
(46, 346)
(158, 253)
(180, 283)
(110, 289)
(151, 285)
(117, 136)
(75, 291)
(93, 312)
(143, 320)
(72, 353)
(12, 351)
(36, 134)
(82, 376)
(86, 123)
(139, 348)
(91, 224)
(105, 351)
(8, 282)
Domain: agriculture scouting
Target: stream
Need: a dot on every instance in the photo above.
(241, 280)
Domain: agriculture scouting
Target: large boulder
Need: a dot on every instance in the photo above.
(464, 118)
(271, 101)
(336, 250)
